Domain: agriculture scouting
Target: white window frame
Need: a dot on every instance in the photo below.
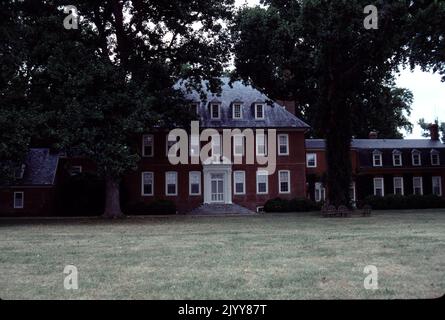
(176, 183)
(440, 185)
(421, 185)
(354, 192)
(288, 182)
(315, 160)
(243, 174)
(20, 171)
(191, 173)
(262, 111)
(235, 137)
(152, 146)
(257, 145)
(258, 174)
(402, 185)
(234, 106)
(379, 154)
(322, 192)
(383, 185)
(195, 105)
(286, 136)
(152, 184)
(218, 106)
(15, 200)
(73, 172)
(435, 153)
(416, 152)
(397, 153)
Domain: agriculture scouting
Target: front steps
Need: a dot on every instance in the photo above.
(220, 209)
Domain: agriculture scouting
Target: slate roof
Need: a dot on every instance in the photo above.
(41, 167)
(382, 144)
(276, 116)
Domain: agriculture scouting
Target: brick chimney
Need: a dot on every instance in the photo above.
(373, 135)
(434, 131)
(288, 105)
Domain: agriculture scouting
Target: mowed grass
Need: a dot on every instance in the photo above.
(284, 256)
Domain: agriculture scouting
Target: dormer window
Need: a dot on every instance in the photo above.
(194, 107)
(259, 111)
(237, 111)
(377, 158)
(397, 158)
(215, 111)
(19, 172)
(416, 158)
(435, 158)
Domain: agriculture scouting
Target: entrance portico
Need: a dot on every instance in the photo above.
(217, 183)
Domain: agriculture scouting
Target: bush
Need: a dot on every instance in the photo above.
(398, 202)
(161, 207)
(294, 205)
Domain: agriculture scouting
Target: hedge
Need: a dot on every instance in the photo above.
(393, 202)
(294, 205)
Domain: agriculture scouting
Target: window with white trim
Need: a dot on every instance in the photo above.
(238, 145)
(261, 147)
(437, 186)
(171, 183)
(259, 111)
(147, 184)
(237, 111)
(284, 181)
(435, 158)
(147, 145)
(19, 200)
(377, 158)
(215, 111)
(397, 158)
(19, 172)
(398, 186)
(418, 186)
(379, 187)
(311, 160)
(416, 158)
(239, 182)
(195, 183)
(352, 191)
(320, 192)
(262, 182)
(194, 107)
(283, 144)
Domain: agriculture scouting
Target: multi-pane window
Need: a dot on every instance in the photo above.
(171, 183)
(19, 200)
(320, 192)
(238, 145)
(262, 182)
(283, 144)
(215, 111)
(377, 158)
(416, 158)
(147, 145)
(379, 188)
(147, 183)
(284, 181)
(259, 111)
(311, 160)
(435, 158)
(194, 107)
(397, 158)
(418, 186)
(237, 111)
(19, 172)
(261, 149)
(437, 186)
(195, 183)
(398, 186)
(239, 181)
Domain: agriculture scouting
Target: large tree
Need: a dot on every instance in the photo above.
(341, 74)
(112, 78)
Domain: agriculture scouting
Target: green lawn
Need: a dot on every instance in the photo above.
(299, 256)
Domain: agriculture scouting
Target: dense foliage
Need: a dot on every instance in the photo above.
(397, 202)
(294, 205)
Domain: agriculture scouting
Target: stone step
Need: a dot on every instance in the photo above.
(220, 209)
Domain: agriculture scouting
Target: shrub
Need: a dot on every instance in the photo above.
(156, 207)
(398, 202)
(294, 205)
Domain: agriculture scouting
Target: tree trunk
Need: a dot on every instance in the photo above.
(112, 199)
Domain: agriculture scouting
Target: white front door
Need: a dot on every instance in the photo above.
(217, 187)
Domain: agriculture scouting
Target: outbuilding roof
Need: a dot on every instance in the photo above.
(382, 144)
